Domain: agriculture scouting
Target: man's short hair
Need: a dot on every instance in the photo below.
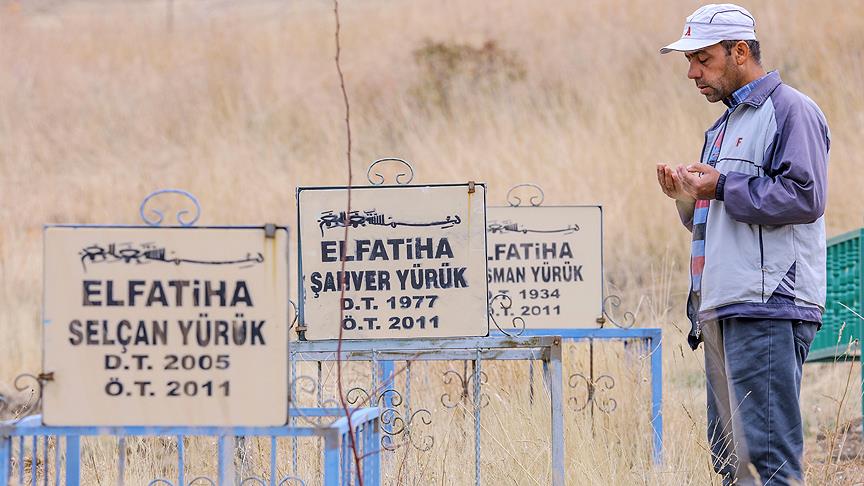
(752, 44)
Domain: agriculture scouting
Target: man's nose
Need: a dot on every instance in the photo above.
(694, 72)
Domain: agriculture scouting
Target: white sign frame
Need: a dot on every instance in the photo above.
(596, 318)
(364, 334)
(267, 408)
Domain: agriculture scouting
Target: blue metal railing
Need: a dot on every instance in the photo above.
(652, 339)
(339, 465)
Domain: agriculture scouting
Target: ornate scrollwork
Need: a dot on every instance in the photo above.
(296, 313)
(287, 480)
(614, 302)
(516, 201)
(394, 423)
(205, 479)
(464, 383)
(33, 401)
(518, 322)
(361, 398)
(307, 385)
(399, 181)
(410, 436)
(602, 384)
(304, 384)
(160, 215)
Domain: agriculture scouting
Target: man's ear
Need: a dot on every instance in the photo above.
(741, 52)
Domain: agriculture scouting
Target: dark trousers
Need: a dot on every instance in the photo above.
(753, 369)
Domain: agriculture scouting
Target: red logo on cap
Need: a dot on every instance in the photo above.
(687, 34)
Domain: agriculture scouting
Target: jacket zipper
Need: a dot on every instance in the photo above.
(762, 262)
(761, 249)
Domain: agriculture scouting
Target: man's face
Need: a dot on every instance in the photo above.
(715, 72)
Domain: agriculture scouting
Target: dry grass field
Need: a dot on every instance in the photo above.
(239, 103)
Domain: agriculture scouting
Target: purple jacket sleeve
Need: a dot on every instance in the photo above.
(793, 189)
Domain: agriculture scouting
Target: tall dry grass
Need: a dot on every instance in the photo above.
(239, 104)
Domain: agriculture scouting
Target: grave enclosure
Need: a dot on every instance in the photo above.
(155, 331)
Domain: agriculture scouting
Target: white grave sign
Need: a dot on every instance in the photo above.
(165, 326)
(549, 261)
(415, 261)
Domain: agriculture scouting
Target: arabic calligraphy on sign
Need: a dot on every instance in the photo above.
(147, 252)
(355, 219)
(510, 227)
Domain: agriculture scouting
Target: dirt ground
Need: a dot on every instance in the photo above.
(846, 448)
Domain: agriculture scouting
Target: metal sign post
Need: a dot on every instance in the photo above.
(414, 259)
(546, 276)
(406, 425)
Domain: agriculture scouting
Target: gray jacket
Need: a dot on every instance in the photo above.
(766, 226)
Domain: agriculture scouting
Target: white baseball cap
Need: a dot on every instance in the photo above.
(714, 23)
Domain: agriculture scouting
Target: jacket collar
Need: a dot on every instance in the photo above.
(756, 92)
(759, 91)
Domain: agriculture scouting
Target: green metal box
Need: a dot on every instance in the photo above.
(841, 328)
